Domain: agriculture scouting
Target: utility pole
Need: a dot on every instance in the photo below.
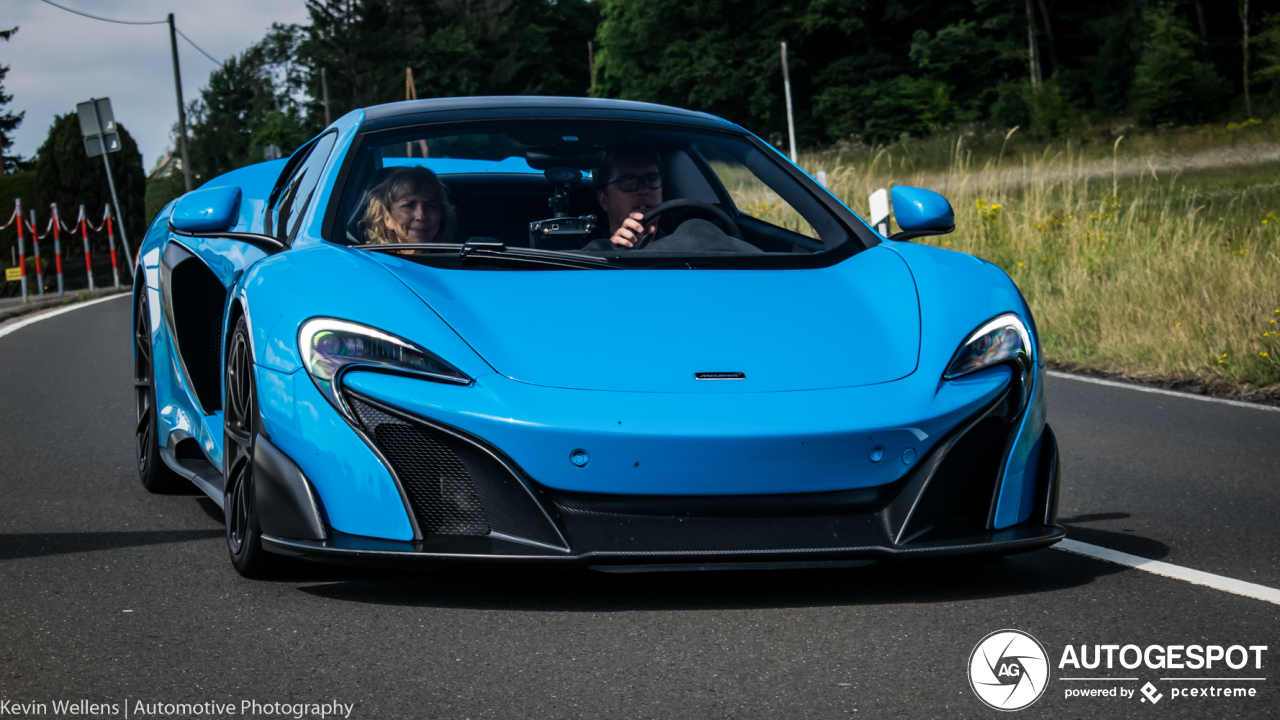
(591, 61)
(786, 85)
(324, 85)
(182, 123)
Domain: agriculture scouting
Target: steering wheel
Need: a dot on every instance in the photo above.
(712, 213)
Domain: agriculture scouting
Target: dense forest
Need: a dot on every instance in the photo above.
(861, 70)
(868, 70)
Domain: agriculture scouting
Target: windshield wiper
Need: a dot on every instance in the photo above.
(533, 256)
(499, 252)
(401, 247)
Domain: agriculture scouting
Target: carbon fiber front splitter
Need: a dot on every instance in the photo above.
(443, 552)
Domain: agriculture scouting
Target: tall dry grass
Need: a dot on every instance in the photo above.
(1165, 264)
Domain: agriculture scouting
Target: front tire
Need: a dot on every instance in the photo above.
(240, 425)
(156, 476)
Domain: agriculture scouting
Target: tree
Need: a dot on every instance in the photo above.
(454, 47)
(69, 177)
(1169, 84)
(719, 56)
(8, 121)
(1267, 43)
(1244, 21)
(248, 104)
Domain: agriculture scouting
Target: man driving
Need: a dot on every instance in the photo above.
(628, 185)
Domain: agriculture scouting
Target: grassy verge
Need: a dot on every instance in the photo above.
(1160, 259)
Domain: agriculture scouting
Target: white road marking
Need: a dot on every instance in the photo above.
(45, 316)
(1162, 391)
(1196, 577)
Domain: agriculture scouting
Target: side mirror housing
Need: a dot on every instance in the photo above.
(210, 210)
(921, 212)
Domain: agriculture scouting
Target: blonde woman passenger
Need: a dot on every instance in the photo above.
(410, 205)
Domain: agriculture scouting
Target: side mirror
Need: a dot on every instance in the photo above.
(212, 210)
(209, 213)
(921, 212)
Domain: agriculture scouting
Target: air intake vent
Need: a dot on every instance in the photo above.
(958, 498)
(434, 478)
(456, 487)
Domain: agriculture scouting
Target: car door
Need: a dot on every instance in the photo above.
(197, 273)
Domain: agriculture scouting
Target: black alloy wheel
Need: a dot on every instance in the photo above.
(156, 476)
(240, 426)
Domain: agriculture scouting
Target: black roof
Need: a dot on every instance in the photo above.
(412, 112)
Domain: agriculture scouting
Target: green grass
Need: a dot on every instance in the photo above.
(1159, 258)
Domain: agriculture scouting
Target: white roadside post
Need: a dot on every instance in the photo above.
(880, 211)
(791, 121)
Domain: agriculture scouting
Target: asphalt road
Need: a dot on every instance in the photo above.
(113, 595)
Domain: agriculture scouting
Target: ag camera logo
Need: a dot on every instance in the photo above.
(1008, 670)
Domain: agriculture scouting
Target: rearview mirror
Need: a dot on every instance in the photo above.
(921, 212)
(211, 210)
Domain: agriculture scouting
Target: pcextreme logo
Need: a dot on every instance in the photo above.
(1008, 670)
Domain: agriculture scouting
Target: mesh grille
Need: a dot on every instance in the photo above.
(960, 495)
(455, 486)
(434, 478)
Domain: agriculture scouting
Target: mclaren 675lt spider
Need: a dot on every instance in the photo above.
(555, 332)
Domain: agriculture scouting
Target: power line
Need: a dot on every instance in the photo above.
(133, 22)
(110, 20)
(197, 47)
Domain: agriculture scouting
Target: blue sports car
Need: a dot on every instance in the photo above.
(556, 332)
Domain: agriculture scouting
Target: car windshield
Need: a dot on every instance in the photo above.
(568, 186)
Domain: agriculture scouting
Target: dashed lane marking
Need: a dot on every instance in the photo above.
(1196, 577)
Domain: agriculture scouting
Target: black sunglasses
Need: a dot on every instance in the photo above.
(629, 183)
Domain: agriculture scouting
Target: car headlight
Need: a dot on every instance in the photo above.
(331, 347)
(998, 340)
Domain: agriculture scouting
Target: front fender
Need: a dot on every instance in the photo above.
(957, 293)
(276, 296)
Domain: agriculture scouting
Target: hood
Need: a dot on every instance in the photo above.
(855, 323)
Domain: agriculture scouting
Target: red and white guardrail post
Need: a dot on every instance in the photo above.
(57, 245)
(111, 242)
(84, 234)
(22, 248)
(35, 250)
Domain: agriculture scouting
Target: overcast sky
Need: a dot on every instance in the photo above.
(58, 59)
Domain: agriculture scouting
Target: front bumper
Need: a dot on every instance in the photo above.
(474, 506)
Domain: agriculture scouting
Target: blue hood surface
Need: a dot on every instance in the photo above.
(855, 323)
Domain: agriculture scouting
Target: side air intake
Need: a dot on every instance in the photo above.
(455, 485)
